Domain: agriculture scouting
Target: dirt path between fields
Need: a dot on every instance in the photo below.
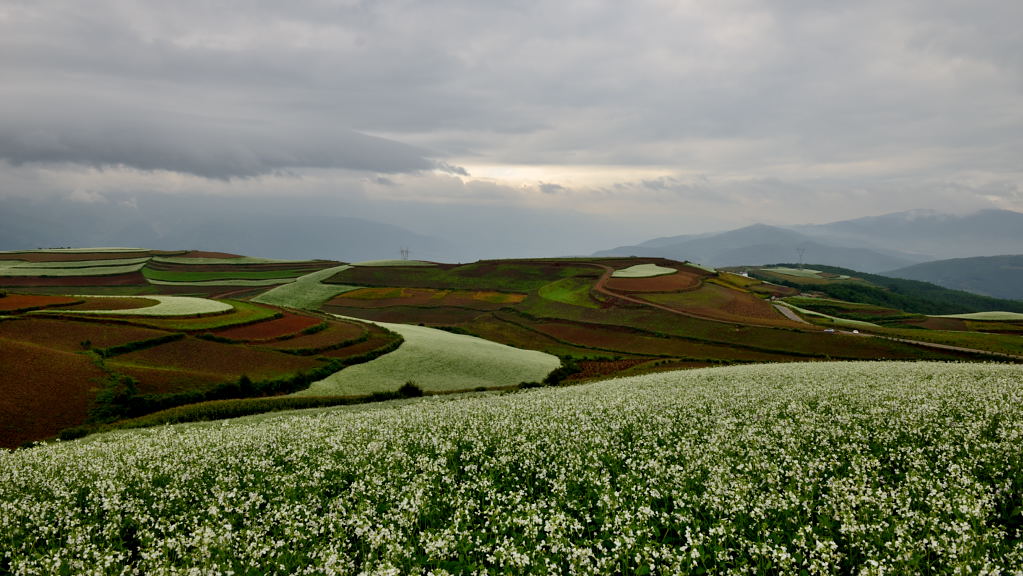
(788, 313)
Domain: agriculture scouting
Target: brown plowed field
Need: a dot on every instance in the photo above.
(684, 279)
(438, 316)
(156, 380)
(387, 297)
(288, 325)
(42, 391)
(338, 331)
(932, 323)
(721, 303)
(377, 340)
(68, 335)
(126, 303)
(603, 368)
(634, 342)
(23, 302)
(129, 279)
(194, 355)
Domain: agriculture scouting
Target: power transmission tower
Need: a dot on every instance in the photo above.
(404, 253)
(801, 250)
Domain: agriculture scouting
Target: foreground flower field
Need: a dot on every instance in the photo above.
(855, 468)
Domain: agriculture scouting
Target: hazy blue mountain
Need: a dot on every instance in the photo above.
(872, 244)
(762, 244)
(208, 224)
(930, 234)
(995, 276)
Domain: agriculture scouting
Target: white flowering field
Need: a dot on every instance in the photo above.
(828, 468)
(163, 306)
(306, 292)
(437, 361)
(643, 271)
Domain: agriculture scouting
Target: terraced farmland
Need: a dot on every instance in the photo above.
(62, 370)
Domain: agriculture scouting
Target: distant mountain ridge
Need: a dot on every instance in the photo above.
(995, 276)
(874, 244)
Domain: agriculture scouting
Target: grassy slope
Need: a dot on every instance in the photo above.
(438, 361)
(307, 292)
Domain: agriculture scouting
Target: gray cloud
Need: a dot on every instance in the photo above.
(784, 107)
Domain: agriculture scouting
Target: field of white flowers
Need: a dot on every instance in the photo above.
(307, 292)
(828, 468)
(437, 361)
(163, 306)
(643, 271)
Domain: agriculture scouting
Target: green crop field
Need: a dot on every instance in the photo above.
(574, 291)
(836, 468)
(438, 361)
(996, 316)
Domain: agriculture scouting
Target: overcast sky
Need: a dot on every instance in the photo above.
(628, 119)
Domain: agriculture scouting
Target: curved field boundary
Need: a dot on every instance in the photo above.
(643, 271)
(306, 292)
(165, 306)
(26, 265)
(61, 271)
(438, 361)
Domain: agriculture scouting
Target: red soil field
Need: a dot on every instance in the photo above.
(378, 338)
(67, 335)
(721, 303)
(629, 341)
(289, 325)
(154, 380)
(603, 368)
(22, 302)
(194, 355)
(940, 323)
(684, 279)
(387, 297)
(439, 316)
(128, 279)
(338, 331)
(126, 303)
(204, 254)
(42, 391)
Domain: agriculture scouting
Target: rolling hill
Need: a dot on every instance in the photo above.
(873, 245)
(995, 276)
